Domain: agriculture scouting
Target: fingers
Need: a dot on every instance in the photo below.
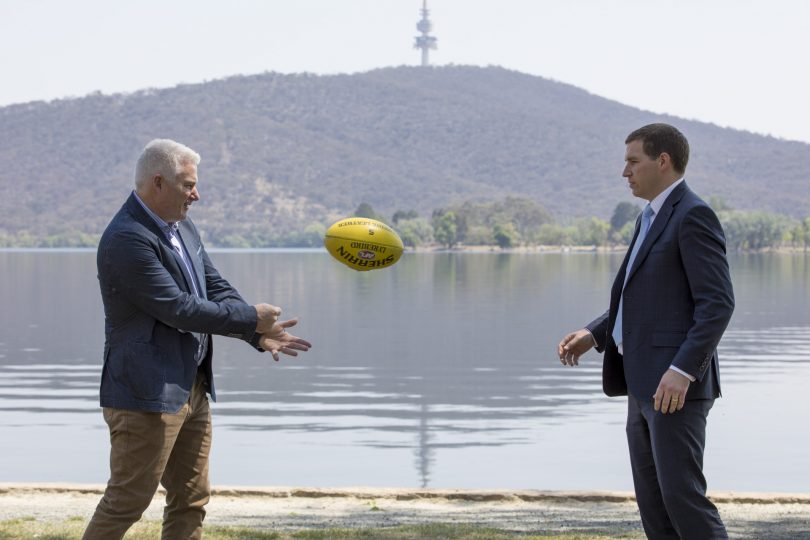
(563, 350)
(572, 347)
(284, 344)
(671, 392)
(289, 350)
(569, 358)
(561, 347)
(299, 344)
(288, 323)
(671, 406)
(668, 402)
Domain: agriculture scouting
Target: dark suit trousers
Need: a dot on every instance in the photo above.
(150, 448)
(666, 454)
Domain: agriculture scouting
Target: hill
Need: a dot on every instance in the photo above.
(283, 151)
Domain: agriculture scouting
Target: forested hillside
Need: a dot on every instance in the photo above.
(284, 152)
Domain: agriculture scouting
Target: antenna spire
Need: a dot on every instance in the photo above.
(425, 42)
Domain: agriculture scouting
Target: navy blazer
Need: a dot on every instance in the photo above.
(678, 301)
(152, 316)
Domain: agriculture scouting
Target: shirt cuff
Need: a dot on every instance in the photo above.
(682, 372)
(595, 344)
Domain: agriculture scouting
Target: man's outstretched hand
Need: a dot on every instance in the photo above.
(266, 316)
(573, 346)
(278, 340)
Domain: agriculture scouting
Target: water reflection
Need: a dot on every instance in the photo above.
(438, 372)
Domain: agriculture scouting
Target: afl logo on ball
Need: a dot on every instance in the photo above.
(368, 255)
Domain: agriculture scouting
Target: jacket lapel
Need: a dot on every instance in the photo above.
(140, 215)
(657, 227)
(193, 248)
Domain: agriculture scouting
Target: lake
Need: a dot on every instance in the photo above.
(438, 372)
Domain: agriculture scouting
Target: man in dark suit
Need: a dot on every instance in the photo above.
(163, 299)
(669, 306)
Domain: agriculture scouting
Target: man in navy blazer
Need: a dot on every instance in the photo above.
(163, 300)
(669, 306)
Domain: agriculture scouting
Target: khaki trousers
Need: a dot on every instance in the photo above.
(151, 448)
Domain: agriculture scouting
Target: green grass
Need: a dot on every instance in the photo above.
(72, 529)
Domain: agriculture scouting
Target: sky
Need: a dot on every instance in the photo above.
(733, 63)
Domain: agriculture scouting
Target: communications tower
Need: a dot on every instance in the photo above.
(425, 42)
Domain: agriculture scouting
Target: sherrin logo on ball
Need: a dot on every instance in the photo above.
(363, 244)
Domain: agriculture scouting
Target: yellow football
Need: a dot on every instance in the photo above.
(363, 243)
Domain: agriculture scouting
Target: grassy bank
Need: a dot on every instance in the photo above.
(72, 528)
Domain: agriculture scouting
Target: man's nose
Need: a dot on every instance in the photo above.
(195, 194)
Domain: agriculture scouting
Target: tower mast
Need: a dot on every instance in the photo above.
(425, 42)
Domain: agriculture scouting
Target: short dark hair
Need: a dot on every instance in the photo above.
(660, 138)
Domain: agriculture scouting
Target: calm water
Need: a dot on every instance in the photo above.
(438, 372)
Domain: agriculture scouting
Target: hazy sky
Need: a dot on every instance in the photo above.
(737, 63)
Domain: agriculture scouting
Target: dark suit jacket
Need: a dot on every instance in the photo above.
(678, 301)
(153, 319)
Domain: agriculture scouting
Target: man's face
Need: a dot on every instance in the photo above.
(176, 196)
(643, 173)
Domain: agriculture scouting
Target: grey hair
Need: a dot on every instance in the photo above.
(164, 157)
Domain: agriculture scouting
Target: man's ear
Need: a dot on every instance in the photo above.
(664, 161)
(157, 181)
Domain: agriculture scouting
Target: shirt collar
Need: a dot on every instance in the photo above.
(658, 202)
(167, 228)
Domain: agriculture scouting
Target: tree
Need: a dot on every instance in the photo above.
(524, 214)
(313, 235)
(505, 235)
(625, 235)
(551, 234)
(475, 222)
(401, 215)
(415, 232)
(479, 235)
(800, 234)
(592, 232)
(445, 230)
(365, 210)
(718, 204)
(622, 214)
(754, 230)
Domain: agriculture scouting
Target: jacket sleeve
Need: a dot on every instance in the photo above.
(703, 255)
(598, 328)
(218, 289)
(133, 263)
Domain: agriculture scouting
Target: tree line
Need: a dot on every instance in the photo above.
(508, 223)
(516, 222)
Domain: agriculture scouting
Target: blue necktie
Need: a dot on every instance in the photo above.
(646, 218)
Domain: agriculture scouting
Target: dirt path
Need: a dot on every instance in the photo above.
(771, 516)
